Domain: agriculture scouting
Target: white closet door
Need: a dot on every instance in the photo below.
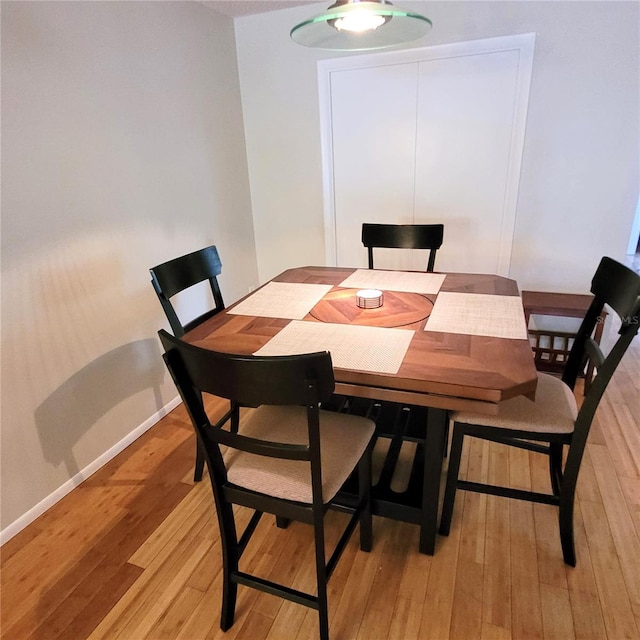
(373, 136)
(426, 135)
(463, 154)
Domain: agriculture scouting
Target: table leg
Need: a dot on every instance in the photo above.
(433, 450)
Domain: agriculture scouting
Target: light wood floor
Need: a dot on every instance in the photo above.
(134, 554)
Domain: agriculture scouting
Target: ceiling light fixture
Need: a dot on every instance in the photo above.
(360, 25)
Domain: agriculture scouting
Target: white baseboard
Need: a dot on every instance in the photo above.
(18, 525)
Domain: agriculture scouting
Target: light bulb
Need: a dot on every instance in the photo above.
(359, 21)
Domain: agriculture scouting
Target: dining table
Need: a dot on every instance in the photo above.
(438, 342)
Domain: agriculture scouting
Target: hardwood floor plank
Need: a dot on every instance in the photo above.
(616, 606)
(23, 538)
(470, 511)
(526, 604)
(497, 573)
(180, 519)
(255, 626)
(557, 619)
(47, 559)
(621, 442)
(39, 618)
(624, 535)
(416, 568)
(438, 603)
(587, 617)
(68, 599)
(493, 632)
(631, 489)
(204, 620)
(519, 474)
(384, 589)
(107, 595)
(405, 621)
(636, 613)
(551, 569)
(289, 621)
(583, 593)
(347, 616)
(587, 488)
(166, 589)
(114, 545)
(466, 619)
(375, 621)
(174, 617)
(142, 593)
(271, 559)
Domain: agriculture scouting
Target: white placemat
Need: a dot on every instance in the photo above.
(477, 314)
(289, 300)
(372, 349)
(407, 281)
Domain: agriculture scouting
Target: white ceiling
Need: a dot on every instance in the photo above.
(238, 8)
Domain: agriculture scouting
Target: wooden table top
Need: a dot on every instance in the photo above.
(442, 370)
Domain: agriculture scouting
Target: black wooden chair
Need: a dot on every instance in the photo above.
(179, 274)
(553, 420)
(403, 236)
(287, 457)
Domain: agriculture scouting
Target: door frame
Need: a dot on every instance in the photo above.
(522, 43)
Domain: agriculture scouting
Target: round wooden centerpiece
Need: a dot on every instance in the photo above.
(399, 309)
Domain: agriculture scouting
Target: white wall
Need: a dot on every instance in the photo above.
(122, 147)
(580, 170)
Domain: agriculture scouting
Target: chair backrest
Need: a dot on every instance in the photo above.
(174, 276)
(619, 288)
(249, 381)
(403, 236)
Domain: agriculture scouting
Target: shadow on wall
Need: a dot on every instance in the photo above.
(71, 410)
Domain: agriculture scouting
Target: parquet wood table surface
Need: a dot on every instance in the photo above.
(440, 370)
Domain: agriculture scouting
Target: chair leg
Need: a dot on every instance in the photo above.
(555, 466)
(445, 451)
(364, 493)
(199, 470)
(566, 529)
(452, 480)
(321, 576)
(229, 593)
(282, 523)
(229, 565)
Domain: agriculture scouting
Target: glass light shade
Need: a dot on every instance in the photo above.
(355, 25)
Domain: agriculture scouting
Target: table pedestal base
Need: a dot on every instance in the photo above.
(417, 501)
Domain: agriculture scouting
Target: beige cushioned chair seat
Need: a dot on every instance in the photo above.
(343, 440)
(553, 411)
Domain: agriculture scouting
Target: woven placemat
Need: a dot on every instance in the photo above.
(282, 300)
(374, 349)
(478, 314)
(407, 281)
